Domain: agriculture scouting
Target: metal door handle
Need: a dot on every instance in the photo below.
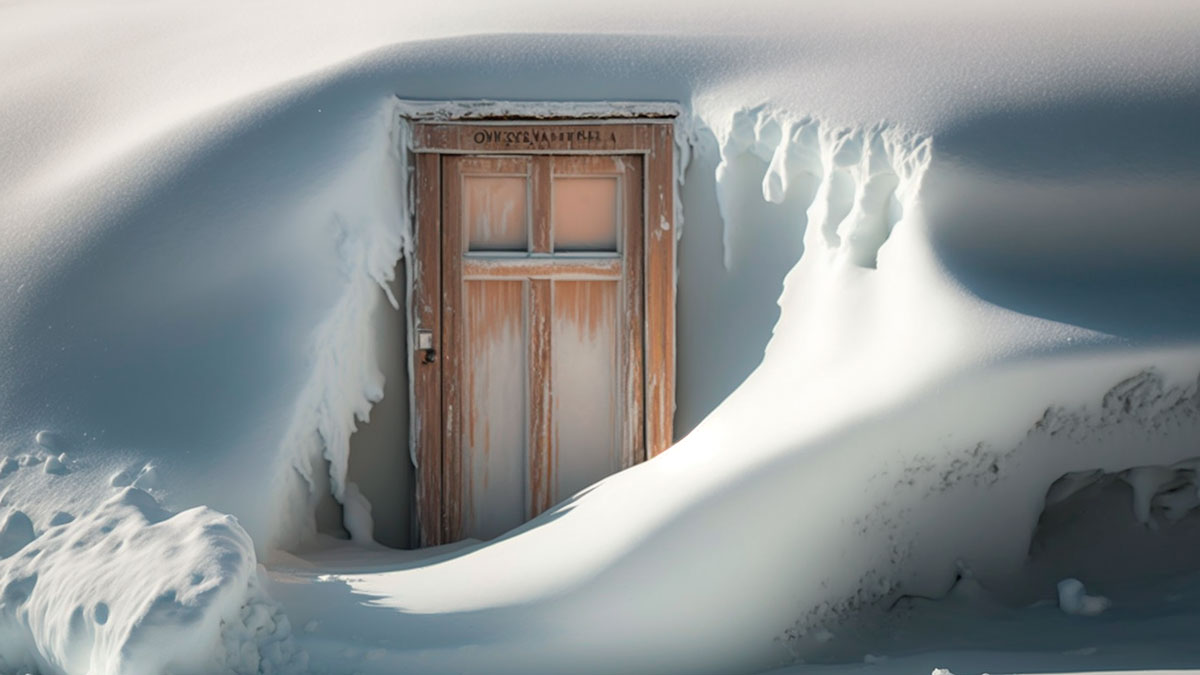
(425, 343)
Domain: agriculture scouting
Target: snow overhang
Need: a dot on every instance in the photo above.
(424, 110)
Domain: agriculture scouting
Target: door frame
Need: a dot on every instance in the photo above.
(650, 137)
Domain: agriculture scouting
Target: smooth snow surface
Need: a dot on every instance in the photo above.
(982, 217)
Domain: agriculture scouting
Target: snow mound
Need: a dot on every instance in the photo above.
(130, 589)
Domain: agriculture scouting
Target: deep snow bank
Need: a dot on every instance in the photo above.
(771, 565)
(197, 227)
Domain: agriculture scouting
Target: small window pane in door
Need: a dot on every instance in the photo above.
(497, 213)
(585, 213)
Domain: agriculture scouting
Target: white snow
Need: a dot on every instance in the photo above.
(130, 588)
(1073, 599)
(357, 515)
(981, 215)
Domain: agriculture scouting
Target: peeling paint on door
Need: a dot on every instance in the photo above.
(543, 371)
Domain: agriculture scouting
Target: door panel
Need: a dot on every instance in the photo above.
(584, 384)
(494, 407)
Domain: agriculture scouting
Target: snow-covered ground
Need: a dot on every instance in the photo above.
(938, 340)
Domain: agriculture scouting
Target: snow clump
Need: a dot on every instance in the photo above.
(1073, 599)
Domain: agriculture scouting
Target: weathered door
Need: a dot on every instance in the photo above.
(543, 301)
(542, 331)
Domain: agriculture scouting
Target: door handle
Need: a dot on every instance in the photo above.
(425, 344)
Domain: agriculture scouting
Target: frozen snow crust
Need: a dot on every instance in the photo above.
(983, 220)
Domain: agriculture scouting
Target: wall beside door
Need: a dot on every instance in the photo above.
(379, 461)
(725, 315)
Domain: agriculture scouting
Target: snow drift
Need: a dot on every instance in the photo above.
(69, 606)
(981, 219)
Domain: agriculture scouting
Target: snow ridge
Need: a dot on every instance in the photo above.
(865, 178)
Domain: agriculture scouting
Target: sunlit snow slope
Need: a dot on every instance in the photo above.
(984, 221)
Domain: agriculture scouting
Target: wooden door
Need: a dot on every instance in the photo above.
(542, 332)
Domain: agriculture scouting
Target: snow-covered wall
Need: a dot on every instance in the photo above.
(941, 222)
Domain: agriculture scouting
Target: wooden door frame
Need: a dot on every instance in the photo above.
(651, 138)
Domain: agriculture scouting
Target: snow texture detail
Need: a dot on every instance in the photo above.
(131, 589)
(1141, 406)
(865, 178)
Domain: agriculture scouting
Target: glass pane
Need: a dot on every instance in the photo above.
(583, 378)
(493, 407)
(496, 212)
(585, 213)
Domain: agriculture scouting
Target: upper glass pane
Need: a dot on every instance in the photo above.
(496, 209)
(585, 213)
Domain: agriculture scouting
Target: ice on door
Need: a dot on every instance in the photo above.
(540, 371)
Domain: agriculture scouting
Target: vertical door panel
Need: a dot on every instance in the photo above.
(494, 396)
(584, 383)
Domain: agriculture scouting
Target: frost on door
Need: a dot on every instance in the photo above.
(536, 301)
(542, 308)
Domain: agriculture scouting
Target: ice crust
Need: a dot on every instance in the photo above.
(200, 227)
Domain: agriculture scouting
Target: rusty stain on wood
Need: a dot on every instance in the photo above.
(452, 249)
(660, 290)
(632, 360)
(541, 268)
(541, 453)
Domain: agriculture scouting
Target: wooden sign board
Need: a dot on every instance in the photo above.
(536, 138)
